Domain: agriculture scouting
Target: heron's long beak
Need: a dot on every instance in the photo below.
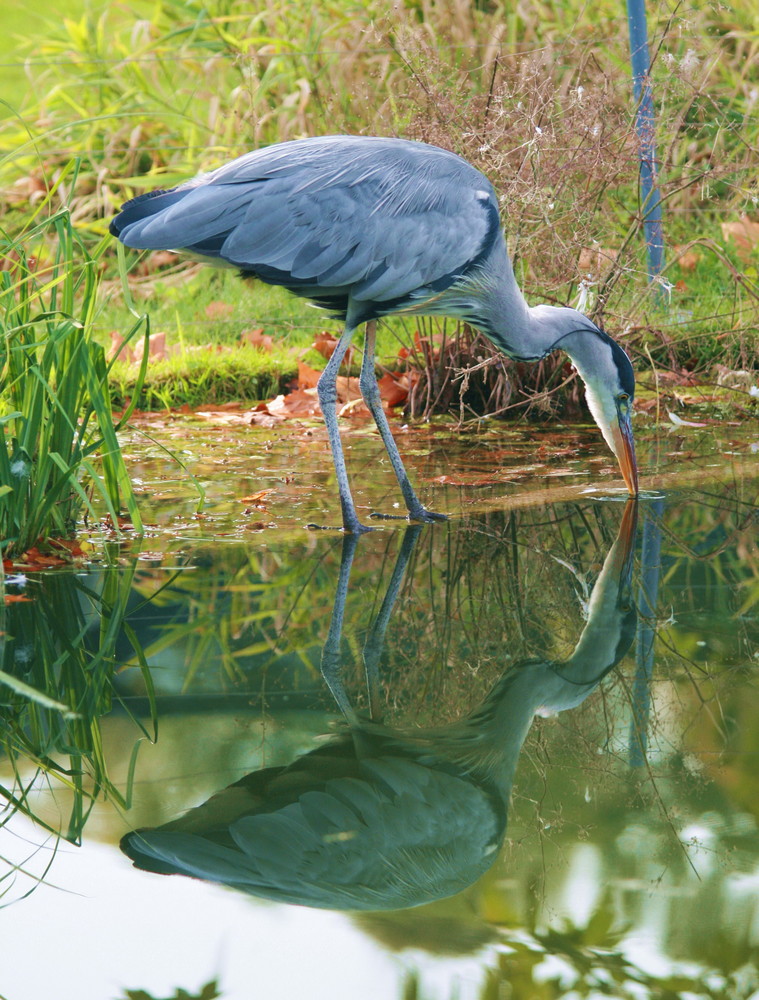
(624, 449)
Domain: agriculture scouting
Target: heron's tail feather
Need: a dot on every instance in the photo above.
(126, 226)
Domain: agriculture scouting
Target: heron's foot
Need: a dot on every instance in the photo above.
(417, 514)
(350, 529)
(428, 516)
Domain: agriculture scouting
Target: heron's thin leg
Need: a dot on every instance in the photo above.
(326, 389)
(370, 391)
(375, 641)
(331, 667)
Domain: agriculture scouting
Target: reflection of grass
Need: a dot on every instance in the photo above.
(58, 659)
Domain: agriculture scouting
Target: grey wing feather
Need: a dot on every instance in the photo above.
(385, 217)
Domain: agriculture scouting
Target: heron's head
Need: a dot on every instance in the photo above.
(609, 385)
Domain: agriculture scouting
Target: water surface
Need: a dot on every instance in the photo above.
(516, 754)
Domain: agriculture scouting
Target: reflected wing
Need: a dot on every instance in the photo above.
(399, 834)
(383, 216)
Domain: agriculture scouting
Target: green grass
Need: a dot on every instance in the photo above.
(247, 375)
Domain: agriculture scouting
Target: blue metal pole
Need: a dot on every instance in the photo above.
(644, 125)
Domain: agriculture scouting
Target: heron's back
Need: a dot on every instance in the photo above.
(384, 223)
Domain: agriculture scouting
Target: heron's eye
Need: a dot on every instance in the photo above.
(623, 397)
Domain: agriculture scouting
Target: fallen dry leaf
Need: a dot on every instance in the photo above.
(256, 497)
(679, 422)
(299, 403)
(325, 344)
(307, 377)
(687, 259)
(347, 389)
(33, 559)
(157, 347)
(120, 348)
(15, 598)
(355, 408)
(745, 235)
(257, 338)
(394, 389)
(154, 262)
(218, 310)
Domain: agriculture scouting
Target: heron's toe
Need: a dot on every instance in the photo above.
(414, 514)
(426, 515)
(350, 529)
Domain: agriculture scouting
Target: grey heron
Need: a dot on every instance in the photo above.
(381, 818)
(368, 227)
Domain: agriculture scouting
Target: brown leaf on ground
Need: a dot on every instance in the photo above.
(222, 417)
(347, 389)
(26, 190)
(355, 408)
(158, 349)
(71, 546)
(260, 417)
(325, 344)
(679, 377)
(396, 386)
(119, 347)
(11, 257)
(15, 598)
(154, 262)
(257, 338)
(300, 403)
(745, 235)
(393, 390)
(686, 259)
(218, 310)
(307, 377)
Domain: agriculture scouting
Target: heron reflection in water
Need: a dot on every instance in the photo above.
(384, 819)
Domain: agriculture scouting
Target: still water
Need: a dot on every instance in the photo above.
(513, 755)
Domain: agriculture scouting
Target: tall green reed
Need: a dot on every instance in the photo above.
(55, 408)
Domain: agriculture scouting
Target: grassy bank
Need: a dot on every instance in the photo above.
(144, 95)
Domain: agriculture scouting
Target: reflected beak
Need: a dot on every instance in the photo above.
(624, 449)
(624, 545)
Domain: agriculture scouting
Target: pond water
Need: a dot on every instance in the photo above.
(511, 755)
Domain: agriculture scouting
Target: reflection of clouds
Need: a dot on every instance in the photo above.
(700, 842)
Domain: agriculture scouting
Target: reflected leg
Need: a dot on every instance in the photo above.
(331, 666)
(375, 641)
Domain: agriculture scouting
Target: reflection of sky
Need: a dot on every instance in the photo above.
(100, 927)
